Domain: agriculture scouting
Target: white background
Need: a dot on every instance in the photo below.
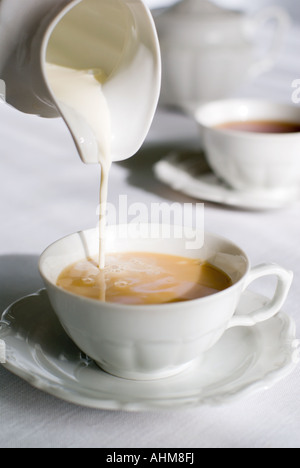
(249, 5)
(46, 192)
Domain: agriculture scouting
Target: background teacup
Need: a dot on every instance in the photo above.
(208, 51)
(251, 161)
(149, 342)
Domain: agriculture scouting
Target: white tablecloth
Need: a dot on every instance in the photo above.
(45, 193)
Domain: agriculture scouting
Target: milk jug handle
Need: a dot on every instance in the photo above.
(282, 25)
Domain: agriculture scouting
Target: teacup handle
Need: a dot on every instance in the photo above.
(282, 19)
(285, 279)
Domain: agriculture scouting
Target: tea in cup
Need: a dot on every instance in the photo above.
(252, 144)
(161, 337)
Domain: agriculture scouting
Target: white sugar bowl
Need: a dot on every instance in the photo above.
(208, 52)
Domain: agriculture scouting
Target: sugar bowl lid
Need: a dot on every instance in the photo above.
(196, 20)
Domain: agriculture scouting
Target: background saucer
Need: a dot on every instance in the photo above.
(189, 173)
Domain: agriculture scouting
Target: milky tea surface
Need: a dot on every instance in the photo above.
(143, 278)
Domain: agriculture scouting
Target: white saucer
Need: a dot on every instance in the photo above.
(245, 360)
(190, 174)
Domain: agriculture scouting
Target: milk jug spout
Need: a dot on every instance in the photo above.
(114, 38)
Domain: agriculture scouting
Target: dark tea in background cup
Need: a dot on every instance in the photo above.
(252, 145)
(261, 126)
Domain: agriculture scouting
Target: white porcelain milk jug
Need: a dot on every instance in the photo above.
(208, 52)
(117, 37)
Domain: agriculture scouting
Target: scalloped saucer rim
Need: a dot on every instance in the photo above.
(39, 351)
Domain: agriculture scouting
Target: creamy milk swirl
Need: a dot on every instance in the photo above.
(135, 278)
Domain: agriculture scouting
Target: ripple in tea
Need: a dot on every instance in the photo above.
(144, 278)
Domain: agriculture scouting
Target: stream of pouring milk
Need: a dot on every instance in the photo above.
(80, 97)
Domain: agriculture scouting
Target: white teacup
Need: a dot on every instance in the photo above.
(150, 342)
(251, 161)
